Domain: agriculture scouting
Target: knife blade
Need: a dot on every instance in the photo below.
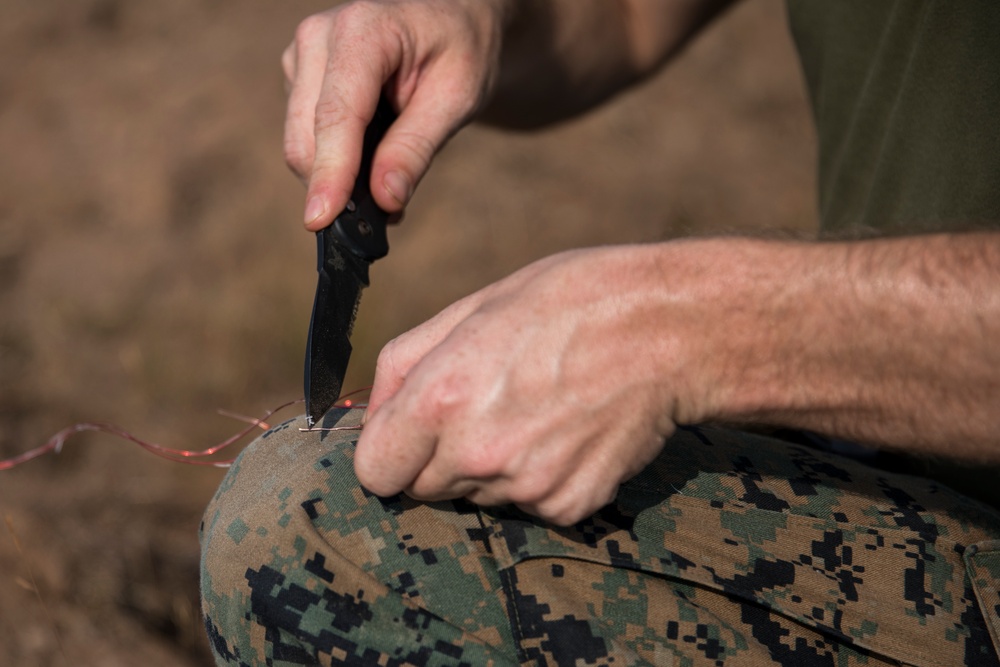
(345, 251)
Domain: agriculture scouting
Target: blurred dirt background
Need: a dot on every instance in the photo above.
(153, 267)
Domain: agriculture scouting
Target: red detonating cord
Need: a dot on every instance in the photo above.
(191, 457)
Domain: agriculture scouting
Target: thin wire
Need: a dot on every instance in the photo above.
(55, 444)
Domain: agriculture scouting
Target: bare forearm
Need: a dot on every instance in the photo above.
(890, 342)
(561, 57)
(516, 393)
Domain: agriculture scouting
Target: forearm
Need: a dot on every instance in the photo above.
(515, 394)
(561, 57)
(890, 342)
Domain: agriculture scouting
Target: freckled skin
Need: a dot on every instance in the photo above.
(566, 391)
(800, 334)
(704, 330)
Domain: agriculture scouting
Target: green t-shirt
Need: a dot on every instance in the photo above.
(906, 95)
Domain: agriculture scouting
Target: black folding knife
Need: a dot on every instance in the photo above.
(345, 250)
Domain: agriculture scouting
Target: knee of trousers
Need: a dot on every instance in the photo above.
(301, 565)
(261, 561)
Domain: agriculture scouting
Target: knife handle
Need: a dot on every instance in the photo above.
(361, 226)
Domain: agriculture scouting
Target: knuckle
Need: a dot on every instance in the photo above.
(469, 93)
(387, 356)
(311, 28)
(486, 497)
(351, 21)
(390, 366)
(298, 156)
(365, 470)
(531, 494)
(369, 468)
(610, 495)
(288, 63)
(480, 463)
(446, 395)
(424, 491)
(560, 513)
(418, 147)
(332, 110)
(357, 14)
(565, 508)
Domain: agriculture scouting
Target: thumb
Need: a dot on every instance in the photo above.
(433, 113)
(401, 159)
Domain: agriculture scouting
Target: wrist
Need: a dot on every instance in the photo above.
(752, 313)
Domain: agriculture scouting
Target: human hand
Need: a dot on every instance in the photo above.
(547, 389)
(436, 60)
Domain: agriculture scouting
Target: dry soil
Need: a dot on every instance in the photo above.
(153, 268)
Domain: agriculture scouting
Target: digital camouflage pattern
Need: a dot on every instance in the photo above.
(730, 549)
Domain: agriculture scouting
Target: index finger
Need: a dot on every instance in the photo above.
(388, 458)
(358, 65)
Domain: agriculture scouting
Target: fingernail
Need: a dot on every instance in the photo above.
(364, 417)
(398, 186)
(315, 209)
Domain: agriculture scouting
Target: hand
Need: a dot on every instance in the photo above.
(547, 389)
(436, 59)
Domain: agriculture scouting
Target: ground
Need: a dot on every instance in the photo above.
(153, 268)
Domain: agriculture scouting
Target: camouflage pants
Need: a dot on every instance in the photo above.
(730, 549)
